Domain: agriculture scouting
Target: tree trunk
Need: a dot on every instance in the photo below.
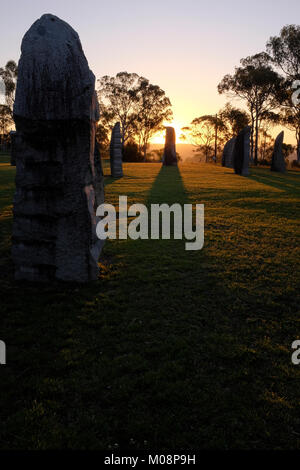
(145, 146)
(252, 139)
(298, 151)
(216, 139)
(256, 141)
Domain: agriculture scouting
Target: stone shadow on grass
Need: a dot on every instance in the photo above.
(164, 191)
(170, 349)
(278, 181)
(108, 179)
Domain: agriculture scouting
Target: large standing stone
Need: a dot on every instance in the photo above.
(278, 160)
(59, 183)
(228, 153)
(169, 156)
(241, 152)
(116, 157)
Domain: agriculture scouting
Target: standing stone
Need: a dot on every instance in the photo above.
(228, 153)
(59, 184)
(241, 152)
(278, 160)
(116, 152)
(169, 156)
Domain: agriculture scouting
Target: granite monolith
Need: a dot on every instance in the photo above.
(278, 160)
(169, 156)
(59, 183)
(228, 153)
(116, 158)
(241, 152)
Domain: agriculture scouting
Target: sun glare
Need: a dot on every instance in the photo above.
(159, 138)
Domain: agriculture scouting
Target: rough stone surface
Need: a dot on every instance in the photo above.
(241, 152)
(116, 157)
(54, 73)
(169, 156)
(278, 160)
(228, 153)
(59, 182)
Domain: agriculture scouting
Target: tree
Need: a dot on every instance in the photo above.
(291, 120)
(285, 53)
(5, 122)
(258, 84)
(268, 121)
(234, 119)
(119, 102)
(287, 149)
(285, 50)
(131, 152)
(202, 133)
(140, 107)
(156, 155)
(154, 109)
(266, 143)
(8, 76)
(102, 135)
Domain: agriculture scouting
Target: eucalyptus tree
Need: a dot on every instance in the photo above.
(119, 102)
(154, 110)
(285, 54)
(8, 80)
(235, 119)
(258, 85)
(139, 106)
(205, 133)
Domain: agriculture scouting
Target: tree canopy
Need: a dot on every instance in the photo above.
(285, 54)
(154, 109)
(8, 75)
(118, 100)
(259, 85)
(285, 50)
(139, 106)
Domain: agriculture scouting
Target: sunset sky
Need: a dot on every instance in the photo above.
(185, 47)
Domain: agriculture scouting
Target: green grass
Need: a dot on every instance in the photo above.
(169, 349)
(4, 157)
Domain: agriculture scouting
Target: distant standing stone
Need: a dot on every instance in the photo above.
(228, 153)
(169, 156)
(241, 152)
(59, 183)
(278, 160)
(116, 157)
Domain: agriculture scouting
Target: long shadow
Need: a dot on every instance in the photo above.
(169, 345)
(279, 181)
(109, 179)
(238, 193)
(165, 191)
(167, 188)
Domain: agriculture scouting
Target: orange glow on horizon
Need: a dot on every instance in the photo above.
(159, 138)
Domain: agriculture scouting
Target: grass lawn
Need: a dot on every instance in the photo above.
(169, 349)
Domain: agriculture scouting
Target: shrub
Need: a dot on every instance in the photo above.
(295, 164)
(131, 152)
(264, 162)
